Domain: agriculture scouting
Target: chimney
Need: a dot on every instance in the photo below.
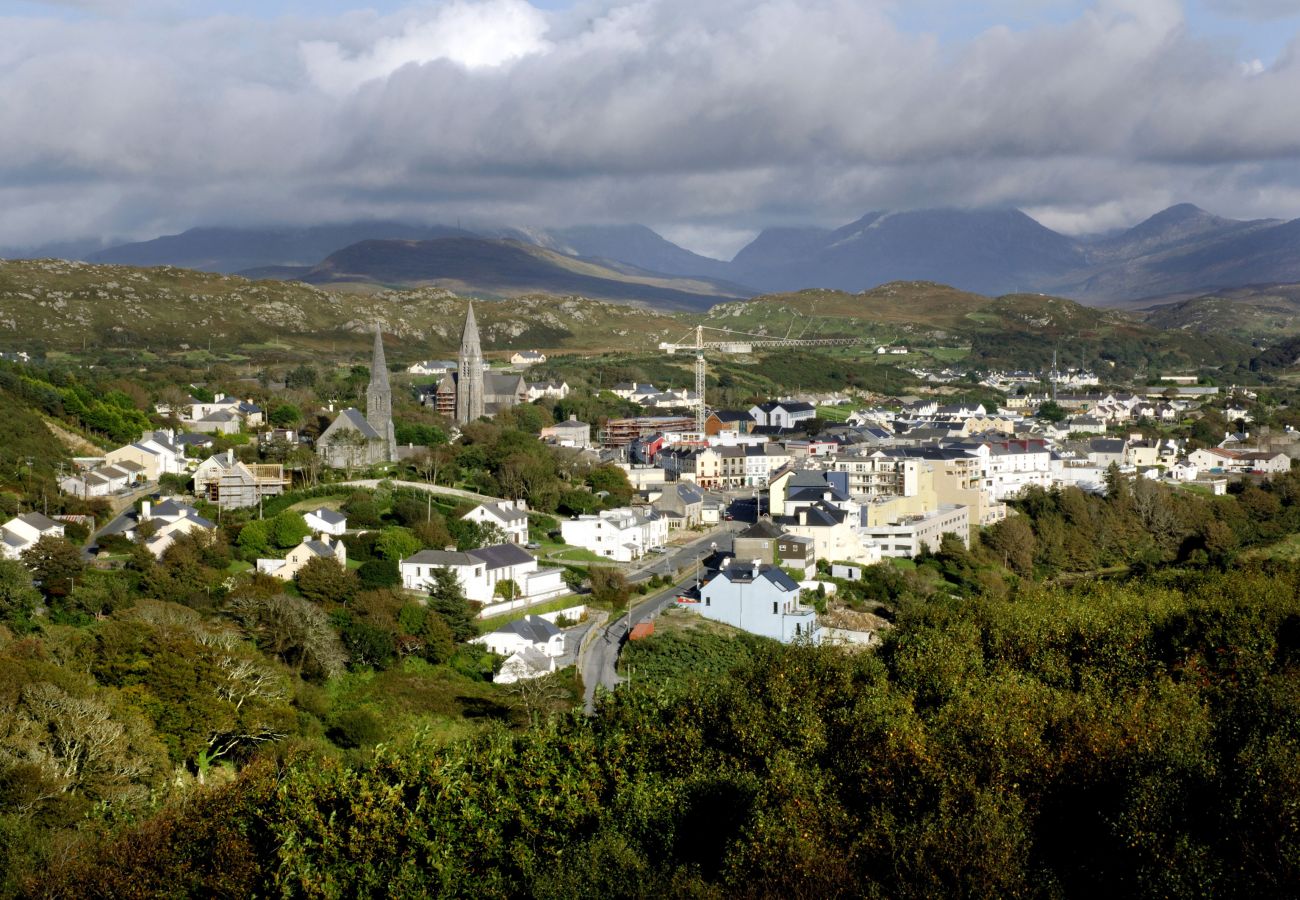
(757, 564)
(230, 456)
(146, 508)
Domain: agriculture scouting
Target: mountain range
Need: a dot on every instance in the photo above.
(1178, 253)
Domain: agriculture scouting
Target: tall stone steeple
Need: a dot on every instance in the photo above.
(469, 386)
(379, 399)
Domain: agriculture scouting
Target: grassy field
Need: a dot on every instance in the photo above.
(834, 413)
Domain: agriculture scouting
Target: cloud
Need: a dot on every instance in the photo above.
(473, 35)
(708, 119)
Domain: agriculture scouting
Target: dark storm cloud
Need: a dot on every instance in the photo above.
(696, 117)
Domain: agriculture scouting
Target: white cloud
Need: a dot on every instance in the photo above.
(710, 119)
(473, 35)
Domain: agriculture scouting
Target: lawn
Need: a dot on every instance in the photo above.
(577, 554)
(686, 646)
(492, 624)
(834, 413)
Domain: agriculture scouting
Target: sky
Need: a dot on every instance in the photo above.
(708, 121)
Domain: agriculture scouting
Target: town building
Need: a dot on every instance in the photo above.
(480, 571)
(621, 535)
(758, 598)
(510, 516)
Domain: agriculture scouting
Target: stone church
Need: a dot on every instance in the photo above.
(472, 391)
(354, 439)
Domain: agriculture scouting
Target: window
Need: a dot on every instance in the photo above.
(708, 601)
(774, 607)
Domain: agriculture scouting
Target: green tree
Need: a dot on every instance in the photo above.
(1051, 411)
(396, 543)
(323, 580)
(608, 586)
(287, 530)
(55, 563)
(18, 599)
(447, 600)
(506, 589)
(286, 415)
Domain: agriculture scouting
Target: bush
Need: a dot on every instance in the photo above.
(356, 728)
(379, 573)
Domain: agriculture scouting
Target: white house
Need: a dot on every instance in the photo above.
(170, 519)
(432, 367)
(758, 598)
(480, 571)
(530, 632)
(297, 558)
(510, 516)
(621, 534)
(326, 521)
(782, 414)
(22, 532)
(155, 454)
(555, 389)
(102, 481)
(527, 358)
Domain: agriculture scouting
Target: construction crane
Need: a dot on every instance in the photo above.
(746, 344)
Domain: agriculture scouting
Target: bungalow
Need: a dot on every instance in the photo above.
(296, 559)
(480, 571)
(326, 521)
(530, 632)
(510, 516)
(758, 598)
(527, 358)
(102, 481)
(432, 367)
(22, 532)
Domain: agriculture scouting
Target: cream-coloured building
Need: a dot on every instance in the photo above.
(297, 558)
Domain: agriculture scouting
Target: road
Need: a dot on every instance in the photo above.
(598, 661)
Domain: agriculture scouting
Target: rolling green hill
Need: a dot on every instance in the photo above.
(57, 305)
(1264, 312)
(1012, 330)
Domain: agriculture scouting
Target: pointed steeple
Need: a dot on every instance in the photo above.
(379, 400)
(469, 343)
(378, 365)
(469, 381)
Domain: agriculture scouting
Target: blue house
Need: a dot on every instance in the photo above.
(758, 598)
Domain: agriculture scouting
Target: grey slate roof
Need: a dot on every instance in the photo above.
(329, 516)
(38, 521)
(531, 628)
(499, 556)
(741, 573)
(441, 558)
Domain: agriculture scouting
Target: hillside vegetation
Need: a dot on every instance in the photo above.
(1258, 312)
(1013, 330)
(53, 304)
(1109, 741)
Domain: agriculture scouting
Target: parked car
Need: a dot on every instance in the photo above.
(532, 545)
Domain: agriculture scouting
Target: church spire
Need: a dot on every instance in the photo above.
(469, 382)
(378, 365)
(469, 343)
(379, 399)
